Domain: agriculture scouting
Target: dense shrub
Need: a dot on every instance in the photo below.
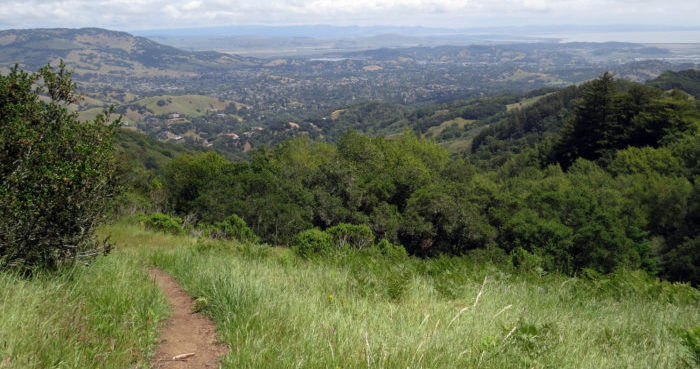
(390, 250)
(56, 172)
(162, 222)
(351, 235)
(683, 261)
(525, 261)
(312, 242)
(232, 227)
(691, 340)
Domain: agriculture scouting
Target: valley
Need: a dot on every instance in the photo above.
(423, 201)
(244, 102)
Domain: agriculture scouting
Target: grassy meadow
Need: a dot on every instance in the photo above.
(351, 310)
(189, 105)
(104, 316)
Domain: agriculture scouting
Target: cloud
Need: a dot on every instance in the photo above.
(192, 5)
(140, 14)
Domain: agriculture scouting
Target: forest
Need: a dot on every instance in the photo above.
(610, 184)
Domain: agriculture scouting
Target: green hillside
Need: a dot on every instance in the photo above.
(686, 80)
(187, 105)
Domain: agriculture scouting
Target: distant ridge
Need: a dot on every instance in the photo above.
(96, 51)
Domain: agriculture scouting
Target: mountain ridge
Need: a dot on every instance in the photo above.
(100, 51)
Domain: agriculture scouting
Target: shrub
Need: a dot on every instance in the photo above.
(397, 281)
(683, 261)
(312, 242)
(525, 261)
(353, 236)
(233, 227)
(57, 174)
(163, 223)
(691, 340)
(390, 250)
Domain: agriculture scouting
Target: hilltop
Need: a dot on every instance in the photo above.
(95, 51)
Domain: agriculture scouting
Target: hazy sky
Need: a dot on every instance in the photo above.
(140, 14)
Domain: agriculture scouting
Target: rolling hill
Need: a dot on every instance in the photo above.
(93, 51)
(686, 80)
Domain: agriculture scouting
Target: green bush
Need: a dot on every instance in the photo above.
(57, 174)
(397, 281)
(312, 242)
(525, 261)
(390, 250)
(350, 235)
(163, 223)
(691, 340)
(232, 227)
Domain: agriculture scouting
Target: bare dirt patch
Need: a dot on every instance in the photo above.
(185, 332)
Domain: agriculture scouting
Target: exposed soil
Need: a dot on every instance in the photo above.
(185, 332)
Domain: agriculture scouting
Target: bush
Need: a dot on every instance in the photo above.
(354, 236)
(390, 250)
(233, 227)
(683, 261)
(397, 281)
(525, 261)
(57, 174)
(691, 340)
(312, 242)
(162, 223)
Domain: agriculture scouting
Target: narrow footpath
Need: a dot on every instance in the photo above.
(188, 340)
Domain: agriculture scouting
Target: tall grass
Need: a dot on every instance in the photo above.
(358, 310)
(349, 310)
(103, 316)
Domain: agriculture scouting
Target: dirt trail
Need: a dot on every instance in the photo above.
(185, 332)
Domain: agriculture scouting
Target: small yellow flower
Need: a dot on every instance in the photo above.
(330, 297)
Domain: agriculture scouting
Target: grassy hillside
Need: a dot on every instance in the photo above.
(189, 105)
(458, 122)
(148, 153)
(352, 309)
(686, 80)
(91, 51)
(355, 309)
(102, 316)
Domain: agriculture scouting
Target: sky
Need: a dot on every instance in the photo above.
(161, 14)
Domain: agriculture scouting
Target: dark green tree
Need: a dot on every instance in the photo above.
(187, 176)
(593, 128)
